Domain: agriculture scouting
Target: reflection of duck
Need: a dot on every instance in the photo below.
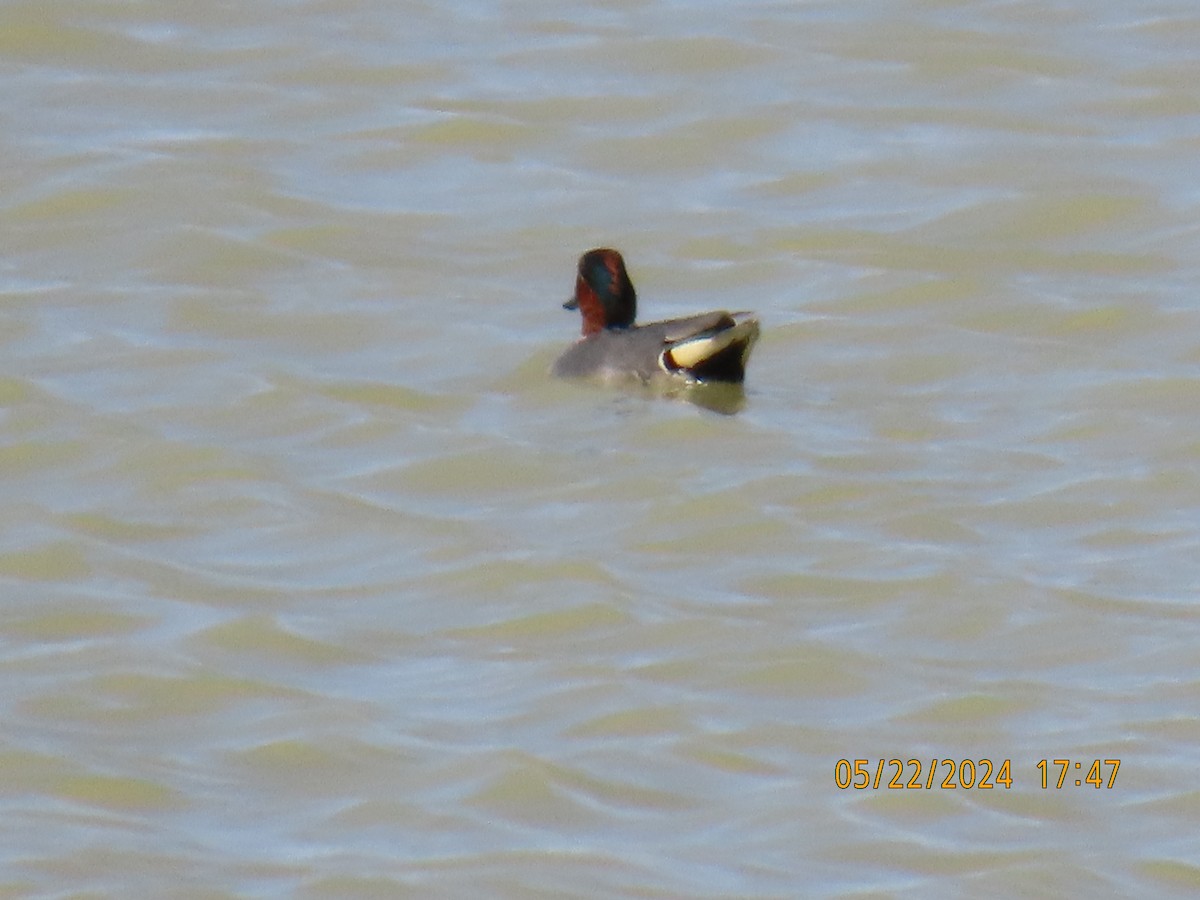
(712, 346)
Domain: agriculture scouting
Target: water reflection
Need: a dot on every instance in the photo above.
(719, 396)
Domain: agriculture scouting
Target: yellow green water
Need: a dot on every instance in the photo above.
(314, 584)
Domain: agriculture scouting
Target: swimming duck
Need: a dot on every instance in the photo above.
(712, 346)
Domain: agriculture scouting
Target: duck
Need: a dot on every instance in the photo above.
(709, 347)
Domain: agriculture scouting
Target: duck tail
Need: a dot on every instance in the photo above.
(715, 354)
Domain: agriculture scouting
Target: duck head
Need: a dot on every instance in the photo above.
(604, 295)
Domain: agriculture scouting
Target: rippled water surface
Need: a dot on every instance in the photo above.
(315, 584)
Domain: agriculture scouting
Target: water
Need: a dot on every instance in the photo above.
(314, 584)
